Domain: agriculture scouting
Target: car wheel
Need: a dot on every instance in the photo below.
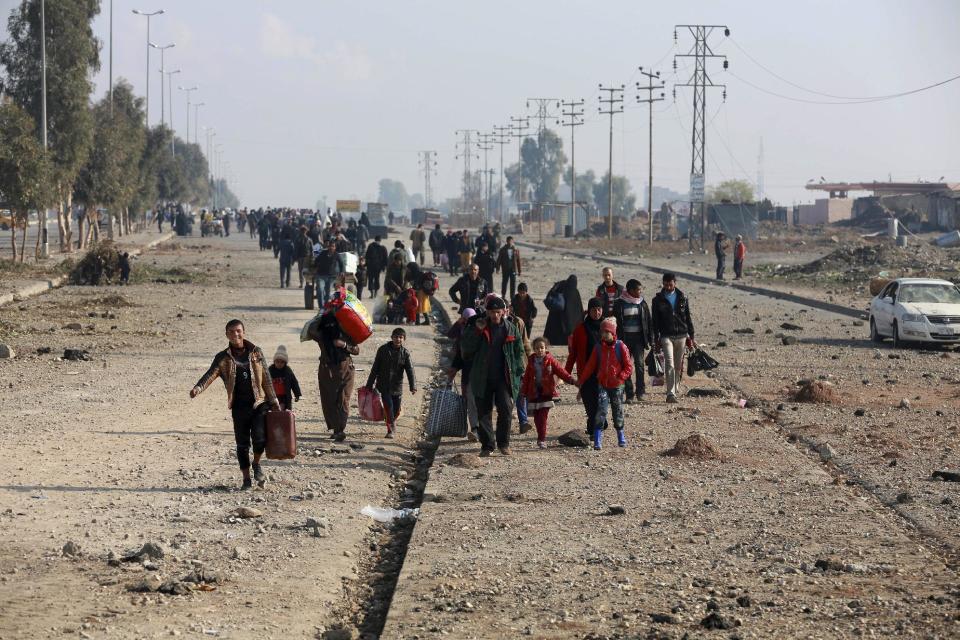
(897, 343)
(874, 334)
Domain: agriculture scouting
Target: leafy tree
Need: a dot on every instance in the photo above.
(416, 201)
(25, 172)
(624, 202)
(586, 181)
(394, 194)
(736, 191)
(73, 56)
(110, 177)
(224, 196)
(542, 164)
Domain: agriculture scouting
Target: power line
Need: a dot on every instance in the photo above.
(518, 130)
(846, 99)
(467, 154)
(428, 164)
(485, 145)
(501, 137)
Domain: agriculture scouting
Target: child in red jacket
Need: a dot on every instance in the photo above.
(539, 386)
(613, 365)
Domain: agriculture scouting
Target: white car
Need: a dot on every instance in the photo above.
(916, 310)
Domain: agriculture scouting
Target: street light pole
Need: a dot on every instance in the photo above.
(148, 16)
(162, 91)
(188, 90)
(196, 122)
(45, 249)
(173, 132)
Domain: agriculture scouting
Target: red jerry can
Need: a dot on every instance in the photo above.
(281, 435)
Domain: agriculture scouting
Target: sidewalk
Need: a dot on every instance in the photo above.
(16, 289)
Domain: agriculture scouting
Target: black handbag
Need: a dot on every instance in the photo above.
(700, 360)
(654, 365)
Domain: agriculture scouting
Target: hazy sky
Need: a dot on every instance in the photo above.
(314, 98)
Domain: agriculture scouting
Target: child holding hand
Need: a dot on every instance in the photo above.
(538, 386)
(613, 365)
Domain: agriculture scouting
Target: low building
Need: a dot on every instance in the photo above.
(825, 211)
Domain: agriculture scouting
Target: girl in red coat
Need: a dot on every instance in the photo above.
(539, 386)
(612, 364)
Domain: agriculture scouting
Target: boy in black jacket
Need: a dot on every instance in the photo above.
(633, 327)
(672, 331)
(386, 375)
(285, 382)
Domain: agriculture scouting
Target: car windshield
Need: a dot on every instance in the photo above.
(929, 293)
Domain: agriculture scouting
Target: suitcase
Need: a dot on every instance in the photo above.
(308, 295)
(370, 405)
(448, 414)
(281, 435)
(354, 320)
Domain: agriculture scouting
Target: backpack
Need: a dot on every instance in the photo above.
(429, 282)
(555, 300)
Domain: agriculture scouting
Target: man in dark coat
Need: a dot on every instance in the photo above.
(376, 256)
(469, 290)
(436, 244)
(487, 263)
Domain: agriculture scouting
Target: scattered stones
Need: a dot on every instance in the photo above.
(316, 524)
(860, 412)
(6, 352)
(829, 564)
(616, 510)
(946, 476)
(744, 601)
(575, 438)
(826, 452)
(240, 553)
(857, 323)
(340, 633)
(904, 497)
(705, 392)
(42, 351)
(174, 588)
(717, 621)
(663, 618)
(788, 340)
(789, 326)
(816, 391)
(76, 354)
(248, 512)
(150, 584)
(745, 331)
(466, 460)
(71, 549)
(73, 326)
(904, 404)
(695, 446)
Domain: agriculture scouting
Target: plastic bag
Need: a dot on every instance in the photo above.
(370, 405)
(654, 362)
(386, 514)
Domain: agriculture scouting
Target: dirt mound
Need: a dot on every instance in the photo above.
(816, 392)
(696, 447)
(111, 300)
(465, 460)
(874, 258)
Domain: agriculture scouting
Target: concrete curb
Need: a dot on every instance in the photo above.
(42, 286)
(693, 277)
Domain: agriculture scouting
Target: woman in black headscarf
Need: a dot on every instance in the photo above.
(560, 324)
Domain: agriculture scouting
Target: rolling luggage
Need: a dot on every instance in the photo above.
(448, 414)
(308, 295)
(368, 401)
(281, 435)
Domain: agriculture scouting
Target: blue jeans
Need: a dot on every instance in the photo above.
(612, 398)
(326, 283)
(522, 409)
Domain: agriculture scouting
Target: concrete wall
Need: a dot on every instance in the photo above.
(826, 211)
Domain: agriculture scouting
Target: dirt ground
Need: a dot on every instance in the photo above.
(780, 536)
(106, 455)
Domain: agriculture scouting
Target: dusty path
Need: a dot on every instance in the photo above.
(110, 454)
(765, 540)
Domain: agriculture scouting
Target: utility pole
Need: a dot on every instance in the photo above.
(760, 188)
(148, 16)
(651, 75)
(518, 130)
(502, 137)
(428, 164)
(700, 81)
(111, 58)
(45, 248)
(543, 111)
(486, 145)
(467, 155)
(573, 112)
(614, 102)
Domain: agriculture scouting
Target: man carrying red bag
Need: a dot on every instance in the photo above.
(386, 375)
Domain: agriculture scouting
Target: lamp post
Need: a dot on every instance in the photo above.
(188, 90)
(196, 121)
(148, 16)
(162, 91)
(42, 226)
(173, 131)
